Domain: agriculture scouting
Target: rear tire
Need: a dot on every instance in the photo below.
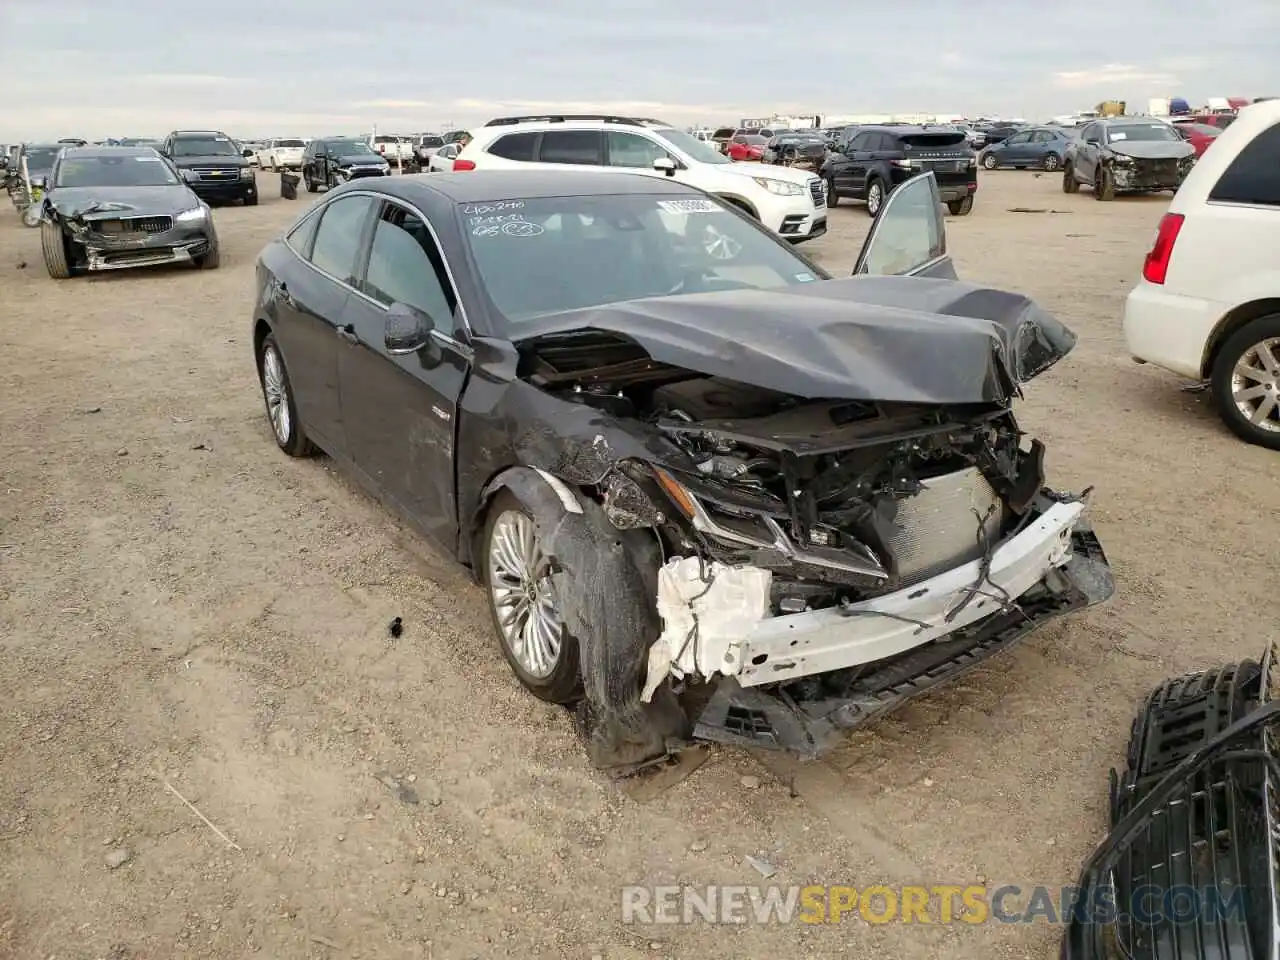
(962, 207)
(876, 196)
(1069, 182)
(277, 393)
(1243, 346)
(53, 244)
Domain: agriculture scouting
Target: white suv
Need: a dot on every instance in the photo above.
(1208, 304)
(282, 154)
(790, 202)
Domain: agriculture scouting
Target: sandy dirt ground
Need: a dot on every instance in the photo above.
(181, 603)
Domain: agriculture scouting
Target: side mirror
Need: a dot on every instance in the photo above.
(1093, 140)
(665, 165)
(408, 329)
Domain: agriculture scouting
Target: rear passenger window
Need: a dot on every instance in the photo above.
(515, 146)
(573, 146)
(337, 241)
(303, 235)
(1254, 175)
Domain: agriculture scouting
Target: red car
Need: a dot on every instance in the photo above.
(747, 146)
(1199, 135)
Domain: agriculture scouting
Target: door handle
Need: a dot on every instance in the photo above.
(348, 333)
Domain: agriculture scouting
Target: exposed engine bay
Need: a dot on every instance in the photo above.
(842, 500)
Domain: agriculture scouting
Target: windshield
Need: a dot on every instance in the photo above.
(212, 146)
(692, 147)
(350, 148)
(1141, 131)
(386, 139)
(291, 143)
(128, 171)
(1199, 129)
(433, 141)
(589, 251)
(41, 158)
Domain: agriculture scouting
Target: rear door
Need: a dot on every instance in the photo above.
(909, 236)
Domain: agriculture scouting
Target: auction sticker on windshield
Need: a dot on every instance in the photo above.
(690, 206)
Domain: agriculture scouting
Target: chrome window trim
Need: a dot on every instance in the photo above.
(435, 237)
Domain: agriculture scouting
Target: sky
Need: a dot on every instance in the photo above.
(259, 68)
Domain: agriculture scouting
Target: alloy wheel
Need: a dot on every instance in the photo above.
(275, 388)
(1051, 162)
(522, 594)
(1255, 385)
(875, 197)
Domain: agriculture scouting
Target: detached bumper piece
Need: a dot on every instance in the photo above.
(811, 715)
(1189, 871)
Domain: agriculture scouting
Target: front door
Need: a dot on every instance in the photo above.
(1016, 148)
(909, 235)
(400, 409)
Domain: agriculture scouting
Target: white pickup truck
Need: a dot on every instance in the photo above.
(393, 148)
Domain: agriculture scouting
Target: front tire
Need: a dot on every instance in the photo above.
(1051, 162)
(1069, 182)
(211, 258)
(53, 244)
(962, 207)
(833, 198)
(989, 162)
(875, 197)
(312, 186)
(1104, 184)
(277, 393)
(522, 601)
(251, 199)
(1245, 382)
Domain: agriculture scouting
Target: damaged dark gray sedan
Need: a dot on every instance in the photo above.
(711, 492)
(112, 208)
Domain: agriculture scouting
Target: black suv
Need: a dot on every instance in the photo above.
(874, 160)
(210, 163)
(330, 161)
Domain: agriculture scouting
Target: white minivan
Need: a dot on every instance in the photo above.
(1208, 304)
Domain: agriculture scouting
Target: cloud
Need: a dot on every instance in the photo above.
(1113, 75)
(76, 67)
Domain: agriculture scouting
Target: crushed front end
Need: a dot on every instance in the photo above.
(1189, 869)
(894, 547)
(1150, 173)
(118, 239)
(821, 561)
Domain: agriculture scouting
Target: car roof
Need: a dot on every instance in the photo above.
(91, 152)
(484, 185)
(198, 133)
(44, 146)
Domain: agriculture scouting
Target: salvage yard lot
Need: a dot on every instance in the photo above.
(180, 601)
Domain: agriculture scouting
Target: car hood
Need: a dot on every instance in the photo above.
(893, 339)
(1153, 149)
(213, 160)
(108, 202)
(790, 174)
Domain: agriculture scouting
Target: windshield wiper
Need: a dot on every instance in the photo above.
(1083, 940)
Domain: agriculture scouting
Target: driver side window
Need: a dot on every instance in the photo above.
(405, 266)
